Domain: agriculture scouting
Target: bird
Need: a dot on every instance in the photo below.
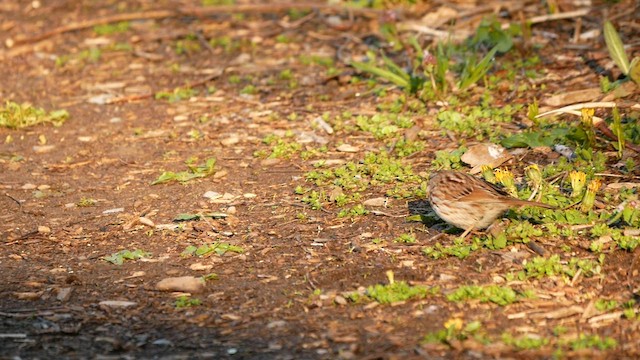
(468, 202)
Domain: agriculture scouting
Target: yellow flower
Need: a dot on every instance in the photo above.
(590, 196)
(455, 323)
(578, 179)
(505, 177)
(487, 174)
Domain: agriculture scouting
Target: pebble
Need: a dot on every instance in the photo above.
(117, 303)
(379, 202)
(188, 284)
(41, 149)
(348, 148)
(44, 229)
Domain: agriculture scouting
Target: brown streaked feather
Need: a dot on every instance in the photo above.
(471, 188)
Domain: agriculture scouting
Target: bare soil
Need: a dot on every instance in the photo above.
(282, 297)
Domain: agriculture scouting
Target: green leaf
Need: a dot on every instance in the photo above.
(187, 217)
(165, 177)
(473, 72)
(189, 251)
(385, 74)
(634, 71)
(616, 48)
(535, 138)
(119, 257)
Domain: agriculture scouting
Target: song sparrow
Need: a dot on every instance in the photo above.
(468, 202)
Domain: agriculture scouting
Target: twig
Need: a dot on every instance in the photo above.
(558, 16)
(158, 14)
(590, 105)
(14, 199)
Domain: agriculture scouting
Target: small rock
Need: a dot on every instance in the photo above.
(64, 294)
(340, 300)
(200, 267)
(86, 138)
(146, 221)
(41, 149)
(348, 148)
(378, 202)
(163, 342)
(232, 140)
(28, 186)
(276, 324)
(231, 210)
(44, 229)
(270, 162)
(220, 174)
(250, 195)
(212, 195)
(113, 211)
(101, 99)
(117, 303)
(319, 121)
(183, 283)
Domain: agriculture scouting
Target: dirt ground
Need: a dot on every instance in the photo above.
(76, 193)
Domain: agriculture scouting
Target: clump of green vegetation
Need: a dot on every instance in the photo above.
(376, 169)
(249, 90)
(500, 295)
(93, 54)
(585, 341)
(119, 257)
(18, 116)
(219, 248)
(315, 199)
(606, 305)
(110, 29)
(429, 76)
(217, 2)
(455, 330)
(525, 342)
(281, 148)
(406, 239)
(358, 210)
(185, 301)
(177, 94)
(383, 126)
(194, 172)
(86, 202)
(459, 249)
(478, 121)
(404, 148)
(540, 267)
(398, 291)
(446, 160)
(188, 45)
(230, 45)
